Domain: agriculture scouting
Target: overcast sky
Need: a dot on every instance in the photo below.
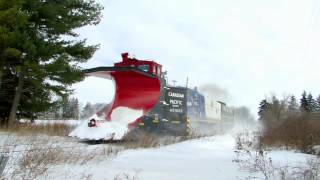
(250, 48)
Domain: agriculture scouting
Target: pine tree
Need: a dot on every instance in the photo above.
(74, 108)
(65, 108)
(12, 19)
(293, 105)
(318, 104)
(263, 107)
(311, 103)
(87, 111)
(304, 106)
(34, 100)
(35, 53)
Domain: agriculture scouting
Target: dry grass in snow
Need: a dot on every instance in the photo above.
(52, 129)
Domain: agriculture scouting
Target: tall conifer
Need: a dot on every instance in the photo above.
(39, 51)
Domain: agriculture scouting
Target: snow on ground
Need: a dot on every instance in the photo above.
(289, 158)
(114, 129)
(206, 158)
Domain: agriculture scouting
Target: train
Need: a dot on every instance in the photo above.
(152, 104)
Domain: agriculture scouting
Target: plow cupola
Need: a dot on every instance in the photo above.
(148, 66)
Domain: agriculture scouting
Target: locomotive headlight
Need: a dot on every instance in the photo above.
(92, 123)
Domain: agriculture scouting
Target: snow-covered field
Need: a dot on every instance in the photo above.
(207, 158)
(204, 158)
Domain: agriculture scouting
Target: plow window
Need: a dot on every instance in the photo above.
(144, 68)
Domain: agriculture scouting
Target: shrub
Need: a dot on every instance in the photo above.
(301, 131)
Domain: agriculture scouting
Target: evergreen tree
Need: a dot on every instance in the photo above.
(35, 57)
(263, 107)
(74, 108)
(33, 101)
(277, 107)
(57, 110)
(293, 105)
(304, 106)
(87, 111)
(318, 104)
(70, 108)
(311, 103)
(54, 112)
(65, 108)
(11, 20)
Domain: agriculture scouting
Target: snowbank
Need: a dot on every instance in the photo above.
(114, 129)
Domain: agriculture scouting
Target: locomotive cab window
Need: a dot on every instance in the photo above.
(144, 67)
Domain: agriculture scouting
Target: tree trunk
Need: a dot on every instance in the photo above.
(16, 100)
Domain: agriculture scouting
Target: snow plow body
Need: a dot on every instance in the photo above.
(137, 88)
(134, 88)
(144, 101)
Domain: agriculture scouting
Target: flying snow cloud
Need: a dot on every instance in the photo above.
(249, 47)
(215, 92)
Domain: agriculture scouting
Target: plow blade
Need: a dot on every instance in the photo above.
(134, 88)
(136, 93)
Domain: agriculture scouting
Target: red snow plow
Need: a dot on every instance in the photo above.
(137, 85)
(144, 101)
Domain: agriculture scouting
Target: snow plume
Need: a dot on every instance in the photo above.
(114, 129)
(215, 92)
(243, 117)
(243, 114)
(244, 120)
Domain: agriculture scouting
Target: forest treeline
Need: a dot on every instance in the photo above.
(307, 103)
(290, 122)
(69, 108)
